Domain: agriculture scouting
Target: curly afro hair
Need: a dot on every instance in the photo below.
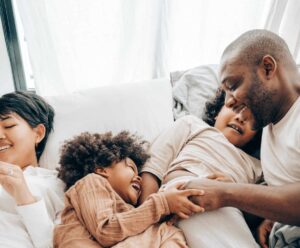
(84, 153)
(213, 107)
(211, 111)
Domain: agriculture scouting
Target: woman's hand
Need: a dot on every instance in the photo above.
(179, 202)
(263, 232)
(220, 176)
(12, 180)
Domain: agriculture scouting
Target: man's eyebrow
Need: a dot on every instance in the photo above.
(232, 78)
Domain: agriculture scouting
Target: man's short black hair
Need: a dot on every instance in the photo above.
(32, 108)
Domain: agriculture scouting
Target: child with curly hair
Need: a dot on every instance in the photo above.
(103, 185)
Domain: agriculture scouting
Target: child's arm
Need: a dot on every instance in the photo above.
(110, 220)
(107, 217)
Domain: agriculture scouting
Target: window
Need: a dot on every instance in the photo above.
(16, 46)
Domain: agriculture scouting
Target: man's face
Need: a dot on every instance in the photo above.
(243, 88)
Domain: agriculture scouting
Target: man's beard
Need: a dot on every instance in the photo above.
(260, 102)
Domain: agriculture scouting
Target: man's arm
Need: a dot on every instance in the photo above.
(277, 203)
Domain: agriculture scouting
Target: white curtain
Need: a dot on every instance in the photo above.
(76, 44)
(284, 19)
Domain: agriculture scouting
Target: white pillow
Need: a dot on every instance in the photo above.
(192, 88)
(144, 108)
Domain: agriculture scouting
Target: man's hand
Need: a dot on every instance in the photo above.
(214, 191)
(12, 180)
(263, 233)
(179, 202)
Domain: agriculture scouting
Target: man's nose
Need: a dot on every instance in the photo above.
(139, 179)
(229, 101)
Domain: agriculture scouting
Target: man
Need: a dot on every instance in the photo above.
(258, 71)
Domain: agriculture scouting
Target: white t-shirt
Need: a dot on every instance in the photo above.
(280, 150)
(32, 225)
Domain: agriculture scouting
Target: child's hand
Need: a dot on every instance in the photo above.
(179, 202)
(220, 176)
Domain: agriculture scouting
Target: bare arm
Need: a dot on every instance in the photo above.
(278, 203)
(150, 185)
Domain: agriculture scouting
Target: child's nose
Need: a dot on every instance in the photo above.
(242, 115)
(2, 135)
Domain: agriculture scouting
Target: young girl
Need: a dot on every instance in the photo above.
(101, 174)
(30, 197)
(191, 149)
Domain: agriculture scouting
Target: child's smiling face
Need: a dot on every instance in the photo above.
(124, 179)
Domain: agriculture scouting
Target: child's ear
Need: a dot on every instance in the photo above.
(102, 171)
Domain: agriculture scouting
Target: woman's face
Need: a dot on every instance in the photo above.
(236, 127)
(18, 140)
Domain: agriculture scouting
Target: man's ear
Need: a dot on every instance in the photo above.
(102, 171)
(269, 65)
(40, 131)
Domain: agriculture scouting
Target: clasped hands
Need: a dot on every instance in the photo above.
(13, 182)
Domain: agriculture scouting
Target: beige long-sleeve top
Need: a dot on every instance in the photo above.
(94, 211)
(191, 144)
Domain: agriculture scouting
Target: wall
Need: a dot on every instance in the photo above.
(6, 78)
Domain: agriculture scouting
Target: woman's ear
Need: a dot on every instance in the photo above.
(40, 131)
(102, 171)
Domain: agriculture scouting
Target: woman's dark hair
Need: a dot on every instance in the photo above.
(33, 109)
(211, 111)
(84, 153)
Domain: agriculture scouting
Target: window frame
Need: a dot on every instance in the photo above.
(12, 44)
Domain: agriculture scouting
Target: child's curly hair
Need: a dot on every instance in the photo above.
(211, 111)
(82, 154)
(213, 107)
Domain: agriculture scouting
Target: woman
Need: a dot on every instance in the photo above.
(30, 197)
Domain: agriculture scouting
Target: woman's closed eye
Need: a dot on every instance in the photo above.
(11, 126)
(8, 126)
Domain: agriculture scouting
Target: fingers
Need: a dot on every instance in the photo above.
(7, 169)
(179, 185)
(7, 172)
(261, 238)
(183, 215)
(262, 235)
(193, 192)
(212, 176)
(194, 208)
